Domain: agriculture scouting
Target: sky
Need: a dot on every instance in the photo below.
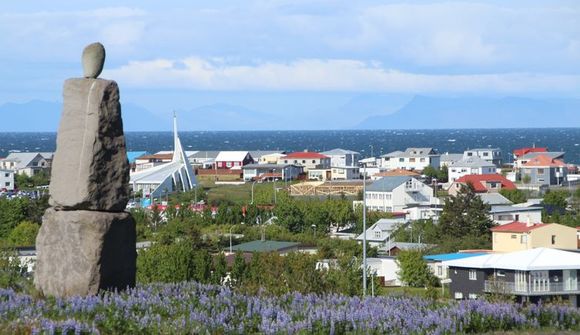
(293, 57)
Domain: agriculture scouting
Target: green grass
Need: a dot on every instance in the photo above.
(263, 192)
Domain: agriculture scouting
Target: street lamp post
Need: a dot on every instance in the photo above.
(253, 183)
(364, 230)
(231, 247)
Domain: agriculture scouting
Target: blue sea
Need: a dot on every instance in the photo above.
(367, 142)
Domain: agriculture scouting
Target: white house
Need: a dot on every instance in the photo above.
(379, 234)
(411, 159)
(386, 269)
(271, 171)
(6, 180)
(470, 165)
(393, 194)
(341, 158)
(345, 172)
(502, 215)
(447, 159)
(491, 155)
(309, 160)
(28, 163)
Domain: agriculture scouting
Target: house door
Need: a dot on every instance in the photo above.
(540, 281)
(570, 280)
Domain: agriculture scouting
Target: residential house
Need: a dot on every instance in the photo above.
(308, 160)
(345, 172)
(394, 194)
(145, 162)
(482, 183)
(521, 236)
(268, 158)
(394, 248)
(524, 151)
(341, 157)
(202, 159)
(411, 159)
(423, 212)
(379, 234)
(385, 269)
(271, 171)
(28, 163)
(233, 159)
(370, 162)
(494, 199)
(521, 160)
(447, 159)
(504, 214)
(440, 270)
(530, 275)
(319, 174)
(470, 165)
(6, 180)
(544, 170)
(490, 155)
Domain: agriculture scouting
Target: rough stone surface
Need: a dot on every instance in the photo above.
(93, 60)
(90, 168)
(81, 252)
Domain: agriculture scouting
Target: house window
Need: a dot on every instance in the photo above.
(458, 295)
(439, 270)
(313, 161)
(412, 160)
(7, 183)
(524, 239)
(401, 160)
(540, 171)
(500, 273)
(472, 274)
(229, 164)
(377, 234)
(485, 154)
(472, 296)
(422, 160)
(553, 239)
(304, 161)
(514, 236)
(470, 154)
(6, 175)
(286, 161)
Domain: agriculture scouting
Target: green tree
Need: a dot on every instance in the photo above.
(556, 199)
(24, 234)
(166, 263)
(414, 270)
(220, 269)
(10, 270)
(238, 271)
(12, 212)
(516, 196)
(464, 222)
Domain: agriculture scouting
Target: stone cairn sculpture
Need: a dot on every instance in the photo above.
(87, 241)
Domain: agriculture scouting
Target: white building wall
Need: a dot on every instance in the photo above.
(7, 180)
(455, 172)
(410, 163)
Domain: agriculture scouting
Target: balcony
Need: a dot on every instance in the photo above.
(546, 288)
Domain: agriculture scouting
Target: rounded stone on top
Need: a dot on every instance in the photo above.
(93, 60)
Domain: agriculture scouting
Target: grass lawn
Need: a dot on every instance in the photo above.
(263, 192)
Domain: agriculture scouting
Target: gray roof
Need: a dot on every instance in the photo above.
(451, 157)
(411, 246)
(494, 199)
(483, 149)
(509, 209)
(265, 246)
(472, 162)
(339, 151)
(388, 184)
(387, 225)
(22, 159)
(412, 152)
(551, 154)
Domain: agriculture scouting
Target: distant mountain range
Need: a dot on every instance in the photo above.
(386, 112)
(424, 112)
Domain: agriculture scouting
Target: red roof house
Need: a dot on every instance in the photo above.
(484, 183)
(308, 160)
(544, 161)
(517, 227)
(524, 151)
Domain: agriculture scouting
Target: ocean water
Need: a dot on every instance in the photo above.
(367, 142)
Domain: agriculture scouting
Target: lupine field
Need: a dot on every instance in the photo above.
(191, 308)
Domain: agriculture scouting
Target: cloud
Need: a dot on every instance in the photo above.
(198, 73)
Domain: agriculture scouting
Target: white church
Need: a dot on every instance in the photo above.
(173, 176)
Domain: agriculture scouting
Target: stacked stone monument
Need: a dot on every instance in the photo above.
(87, 241)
